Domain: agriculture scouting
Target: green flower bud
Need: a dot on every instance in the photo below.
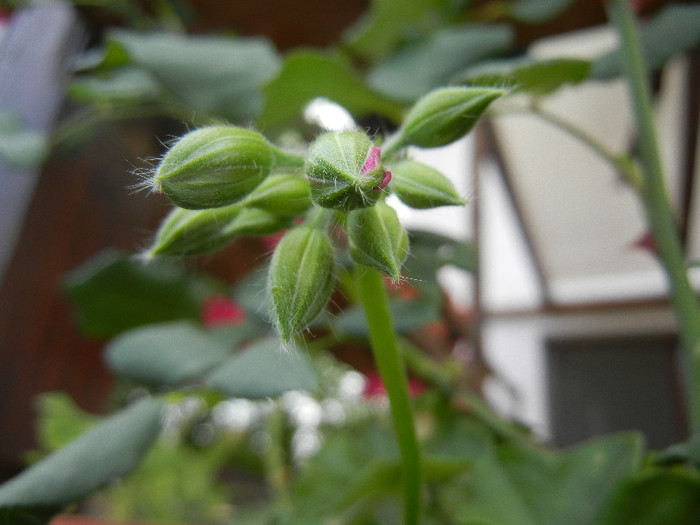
(213, 166)
(193, 232)
(444, 115)
(345, 171)
(285, 194)
(252, 221)
(300, 279)
(420, 186)
(377, 239)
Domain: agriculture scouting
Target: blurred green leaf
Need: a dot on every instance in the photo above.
(521, 484)
(262, 370)
(107, 451)
(430, 63)
(60, 420)
(388, 22)
(21, 147)
(216, 75)
(408, 316)
(175, 483)
(307, 75)
(165, 354)
(112, 293)
(430, 252)
(122, 85)
(674, 30)
(537, 11)
(347, 455)
(652, 498)
(535, 77)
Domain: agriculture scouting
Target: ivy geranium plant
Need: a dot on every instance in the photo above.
(226, 179)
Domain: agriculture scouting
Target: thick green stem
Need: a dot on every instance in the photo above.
(656, 203)
(391, 368)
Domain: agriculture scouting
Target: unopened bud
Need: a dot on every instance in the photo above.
(193, 232)
(300, 279)
(213, 166)
(420, 186)
(444, 115)
(377, 239)
(282, 194)
(253, 221)
(345, 171)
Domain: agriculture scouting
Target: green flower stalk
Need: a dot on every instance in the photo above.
(345, 171)
(213, 166)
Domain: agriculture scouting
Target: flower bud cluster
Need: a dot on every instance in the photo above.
(229, 181)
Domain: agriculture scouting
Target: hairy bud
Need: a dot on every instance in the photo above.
(193, 232)
(444, 115)
(377, 239)
(282, 194)
(420, 186)
(345, 171)
(300, 279)
(213, 166)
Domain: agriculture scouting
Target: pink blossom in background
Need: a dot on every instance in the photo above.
(374, 387)
(219, 310)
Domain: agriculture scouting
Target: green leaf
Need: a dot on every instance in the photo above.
(164, 354)
(264, 369)
(112, 293)
(60, 420)
(651, 498)
(122, 85)
(673, 31)
(307, 75)
(216, 75)
(104, 453)
(408, 316)
(521, 484)
(21, 147)
(388, 22)
(430, 63)
(535, 77)
(537, 11)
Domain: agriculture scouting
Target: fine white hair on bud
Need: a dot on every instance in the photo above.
(345, 171)
(377, 239)
(213, 166)
(300, 279)
(443, 116)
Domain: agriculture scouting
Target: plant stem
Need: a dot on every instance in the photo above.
(619, 162)
(275, 463)
(656, 204)
(391, 369)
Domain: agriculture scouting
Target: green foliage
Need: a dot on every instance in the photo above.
(166, 354)
(215, 75)
(431, 63)
(396, 63)
(107, 451)
(264, 370)
(112, 293)
(306, 75)
(675, 30)
(534, 77)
